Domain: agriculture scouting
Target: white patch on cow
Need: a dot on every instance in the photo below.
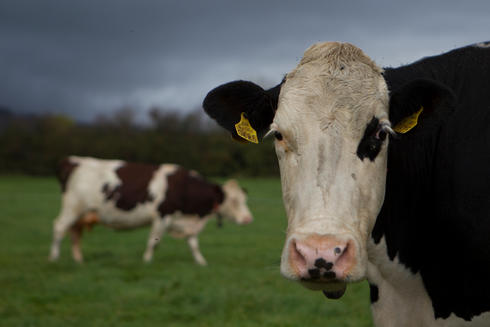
(86, 186)
(482, 320)
(403, 300)
(324, 107)
(186, 225)
(402, 295)
(483, 44)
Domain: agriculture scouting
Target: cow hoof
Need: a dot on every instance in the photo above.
(147, 258)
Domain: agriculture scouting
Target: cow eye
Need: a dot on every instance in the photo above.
(371, 142)
(278, 136)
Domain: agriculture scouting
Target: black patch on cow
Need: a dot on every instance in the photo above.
(373, 293)
(437, 201)
(370, 145)
(226, 103)
(190, 194)
(133, 190)
(64, 171)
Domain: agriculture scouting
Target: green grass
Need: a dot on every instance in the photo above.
(240, 287)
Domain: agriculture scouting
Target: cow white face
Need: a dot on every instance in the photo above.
(330, 120)
(234, 206)
(332, 183)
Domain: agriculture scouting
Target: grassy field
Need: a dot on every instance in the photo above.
(240, 287)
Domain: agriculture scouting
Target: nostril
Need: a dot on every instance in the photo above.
(322, 263)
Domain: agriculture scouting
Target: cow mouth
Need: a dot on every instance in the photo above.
(337, 294)
(332, 290)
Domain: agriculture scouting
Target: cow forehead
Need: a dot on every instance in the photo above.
(333, 55)
(233, 189)
(335, 84)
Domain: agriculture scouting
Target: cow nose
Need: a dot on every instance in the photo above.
(247, 220)
(321, 257)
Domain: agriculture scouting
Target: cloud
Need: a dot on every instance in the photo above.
(86, 57)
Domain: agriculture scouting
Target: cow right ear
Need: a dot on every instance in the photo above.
(420, 100)
(243, 108)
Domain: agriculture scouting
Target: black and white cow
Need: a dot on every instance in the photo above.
(124, 195)
(385, 176)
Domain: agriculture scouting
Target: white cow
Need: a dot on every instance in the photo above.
(124, 195)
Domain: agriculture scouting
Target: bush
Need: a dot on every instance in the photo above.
(34, 144)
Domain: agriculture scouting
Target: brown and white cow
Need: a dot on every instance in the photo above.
(409, 212)
(125, 195)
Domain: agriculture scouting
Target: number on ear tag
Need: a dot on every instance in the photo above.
(408, 122)
(245, 130)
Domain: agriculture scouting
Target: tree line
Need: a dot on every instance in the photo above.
(34, 144)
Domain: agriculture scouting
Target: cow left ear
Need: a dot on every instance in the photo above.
(243, 108)
(419, 101)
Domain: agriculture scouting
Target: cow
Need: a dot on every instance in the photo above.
(385, 177)
(125, 195)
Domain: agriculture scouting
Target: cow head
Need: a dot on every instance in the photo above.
(234, 206)
(330, 120)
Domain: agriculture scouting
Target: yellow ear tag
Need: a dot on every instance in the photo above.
(408, 122)
(245, 130)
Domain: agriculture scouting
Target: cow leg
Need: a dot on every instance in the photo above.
(67, 217)
(76, 232)
(157, 229)
(194, 245)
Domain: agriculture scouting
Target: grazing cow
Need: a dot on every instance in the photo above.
(385, 176)
(124, 195)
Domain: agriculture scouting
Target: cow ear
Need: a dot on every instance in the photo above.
(419, 101)
(245, 103)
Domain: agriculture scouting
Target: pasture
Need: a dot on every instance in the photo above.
(241, 286)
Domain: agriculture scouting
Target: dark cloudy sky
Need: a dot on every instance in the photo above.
(87, 57)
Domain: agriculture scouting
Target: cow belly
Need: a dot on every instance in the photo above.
(184, 226)
(119, 219)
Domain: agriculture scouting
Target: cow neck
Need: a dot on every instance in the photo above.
(408, 207)
(419, 220)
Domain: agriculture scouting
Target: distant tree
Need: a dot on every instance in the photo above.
(165, 120)
(124, 118)
(5, 116)
(34, 144)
